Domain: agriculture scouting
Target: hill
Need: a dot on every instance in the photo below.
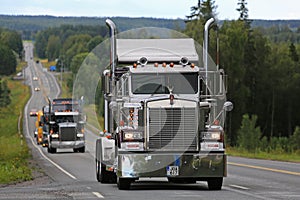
(28, 25)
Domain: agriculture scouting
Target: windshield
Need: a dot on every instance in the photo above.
(66, 118)
(65, 108)
(164, 83)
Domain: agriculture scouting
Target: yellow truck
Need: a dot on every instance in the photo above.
(41, 132)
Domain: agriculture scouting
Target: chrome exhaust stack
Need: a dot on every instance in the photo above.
(205, 45)
(113, 47)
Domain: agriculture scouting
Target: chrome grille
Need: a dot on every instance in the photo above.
(173, 129)
(67, 133)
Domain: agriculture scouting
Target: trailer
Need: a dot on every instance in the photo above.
(164, 113)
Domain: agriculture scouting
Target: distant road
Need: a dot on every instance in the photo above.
(72, 175)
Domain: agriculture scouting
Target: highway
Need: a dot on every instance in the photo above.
(72, 175)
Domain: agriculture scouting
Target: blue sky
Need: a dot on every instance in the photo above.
(258, 9)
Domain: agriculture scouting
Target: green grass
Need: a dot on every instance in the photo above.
(14, 153)
(94, 121)
(275, 155)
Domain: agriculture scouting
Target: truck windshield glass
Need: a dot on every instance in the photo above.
(154, 83)
(65, 108)
(66, 118)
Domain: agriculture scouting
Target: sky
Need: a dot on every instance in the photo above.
(170, 9)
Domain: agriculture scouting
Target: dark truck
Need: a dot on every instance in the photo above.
(66, 125)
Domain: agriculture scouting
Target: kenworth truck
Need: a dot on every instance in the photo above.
(66, 125)
(164, 113)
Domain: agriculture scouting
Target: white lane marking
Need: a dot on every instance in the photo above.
(37, 147)
(97, 194)
(239, 187)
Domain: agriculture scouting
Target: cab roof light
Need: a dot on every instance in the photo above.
(134, 65)
(164, 64)
(156, 64)
(171, 64)
(192, 65)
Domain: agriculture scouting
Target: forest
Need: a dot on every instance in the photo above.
(11, 49)
(260, 58)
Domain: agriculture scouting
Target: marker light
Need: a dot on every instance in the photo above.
(192, 65)
(164, 64)
(156, 64)
(134, 65)
(171, 64)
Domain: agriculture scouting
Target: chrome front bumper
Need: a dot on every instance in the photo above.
(189, 165)
(67, 144)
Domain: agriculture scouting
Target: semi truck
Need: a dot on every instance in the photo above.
(40, 132)
(66, 125)
(164, 113)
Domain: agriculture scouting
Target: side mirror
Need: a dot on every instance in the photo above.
(228, 106)
(106, 82)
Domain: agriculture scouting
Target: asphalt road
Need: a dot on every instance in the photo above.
(72, 175)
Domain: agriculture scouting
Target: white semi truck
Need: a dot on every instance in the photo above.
(164, 113)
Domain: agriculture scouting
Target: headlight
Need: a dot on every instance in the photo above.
(212, 135)
(133, 136)
(54, 135)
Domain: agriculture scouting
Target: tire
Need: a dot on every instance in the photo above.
(215, 183)
(51, 150)
(123, 183)
(81, 150)
(102, 175)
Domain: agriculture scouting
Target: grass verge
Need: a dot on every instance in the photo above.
(276, 155)
(14, 152)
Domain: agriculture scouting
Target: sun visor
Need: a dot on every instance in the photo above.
(156, 50)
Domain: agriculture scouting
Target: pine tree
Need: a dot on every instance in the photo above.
(243, 10)
(293, 53)
(203, 11)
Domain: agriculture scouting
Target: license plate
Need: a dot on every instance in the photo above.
(172, 171)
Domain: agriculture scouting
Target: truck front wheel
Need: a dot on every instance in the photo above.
(215, 183)
(81, 149)
(123, 183)
(104, 176)
(51, 150)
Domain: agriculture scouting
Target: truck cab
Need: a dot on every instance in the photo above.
(164, 115)
(66, 125)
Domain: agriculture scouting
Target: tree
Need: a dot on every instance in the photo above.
(203, 11)
(8, 61)
(233, 37)
(243, 10)
(13, 40)
(77, 61)
(74, 45)
(249, 135)
(4, 94)
(195, 12)
(293, 53)
(94, 42)
(53, 47)
(208, 9)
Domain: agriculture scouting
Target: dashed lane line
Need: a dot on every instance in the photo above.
(97, 194)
